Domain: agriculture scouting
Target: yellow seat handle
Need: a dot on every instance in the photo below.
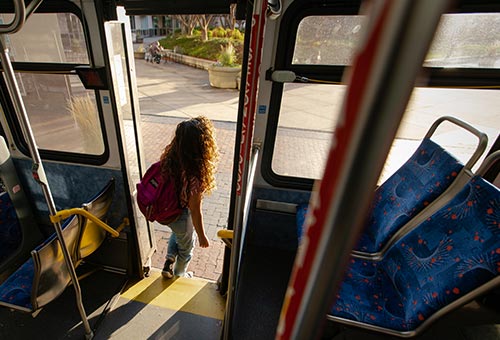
(226, 236)
(64, 214)
(224, 233)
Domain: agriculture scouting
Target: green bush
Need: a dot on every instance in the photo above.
(227, 55)
(210, 49)
(237, 35)
(219, 32)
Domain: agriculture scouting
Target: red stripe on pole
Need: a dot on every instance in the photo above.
(251, 86)
(358, 84)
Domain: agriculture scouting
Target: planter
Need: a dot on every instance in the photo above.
(223, 77)
(139, 55)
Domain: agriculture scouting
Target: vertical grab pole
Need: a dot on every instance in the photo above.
(245, 152)
(39, 174)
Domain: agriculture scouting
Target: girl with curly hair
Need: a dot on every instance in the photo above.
(190, 159)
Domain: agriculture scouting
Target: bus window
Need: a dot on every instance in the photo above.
(466, 41)
(57, 104)
(309, 111)
(48, 38)
(327, 40)
(61, 109)
(305, 128)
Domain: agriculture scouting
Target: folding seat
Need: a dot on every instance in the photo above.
(44, 276)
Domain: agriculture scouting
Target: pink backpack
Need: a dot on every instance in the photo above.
(156, 197)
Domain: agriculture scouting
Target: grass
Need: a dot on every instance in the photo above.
(84, 112)
(195, 47)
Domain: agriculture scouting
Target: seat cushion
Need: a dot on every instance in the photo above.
(16, 290)
(449, 255)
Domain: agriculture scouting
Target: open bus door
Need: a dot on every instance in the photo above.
(125, 97)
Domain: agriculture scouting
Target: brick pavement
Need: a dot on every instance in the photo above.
(157, 131)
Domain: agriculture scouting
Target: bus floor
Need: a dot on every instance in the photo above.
(151, 308)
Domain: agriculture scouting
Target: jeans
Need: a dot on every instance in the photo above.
(181, 243)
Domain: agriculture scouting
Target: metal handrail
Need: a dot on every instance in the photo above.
(238, 234)
(482, 137)
(63, 214)
(18, 20)
(21, 13)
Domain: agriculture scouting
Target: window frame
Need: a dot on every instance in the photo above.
(48, 68)
(437, 76)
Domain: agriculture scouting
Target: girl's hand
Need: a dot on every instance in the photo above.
(203, 240)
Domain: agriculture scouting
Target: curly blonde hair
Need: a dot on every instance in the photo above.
(191, 155)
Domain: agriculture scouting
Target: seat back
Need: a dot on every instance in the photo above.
(419, 181)
(10, 229)
(51, 275)
(19, 232)
(92, 235)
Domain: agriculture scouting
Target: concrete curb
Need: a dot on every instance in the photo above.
(170, 55)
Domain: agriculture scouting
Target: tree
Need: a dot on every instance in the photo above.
(188, 23)
(232, 16)
(204, 21)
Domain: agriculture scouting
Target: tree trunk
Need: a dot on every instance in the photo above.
(204, 21)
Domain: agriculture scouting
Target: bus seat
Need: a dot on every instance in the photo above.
(418, 182)
(19, 232)
(10, 229)
(92, 235)
(425, 182)
(446, 261)
(44, 276)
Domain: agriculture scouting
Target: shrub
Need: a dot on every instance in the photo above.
(227, 56)
(237, 35)
(219, 32)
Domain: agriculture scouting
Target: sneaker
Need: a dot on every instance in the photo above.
(188, 275)
(168, 269)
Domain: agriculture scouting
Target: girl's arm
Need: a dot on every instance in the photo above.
(194, 206)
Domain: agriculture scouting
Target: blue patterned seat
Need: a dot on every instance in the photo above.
(444, 262)
(10, 229)
(417, 189)
(418, 182)
(44, 276)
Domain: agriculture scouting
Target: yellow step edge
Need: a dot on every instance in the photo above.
(196, 296)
